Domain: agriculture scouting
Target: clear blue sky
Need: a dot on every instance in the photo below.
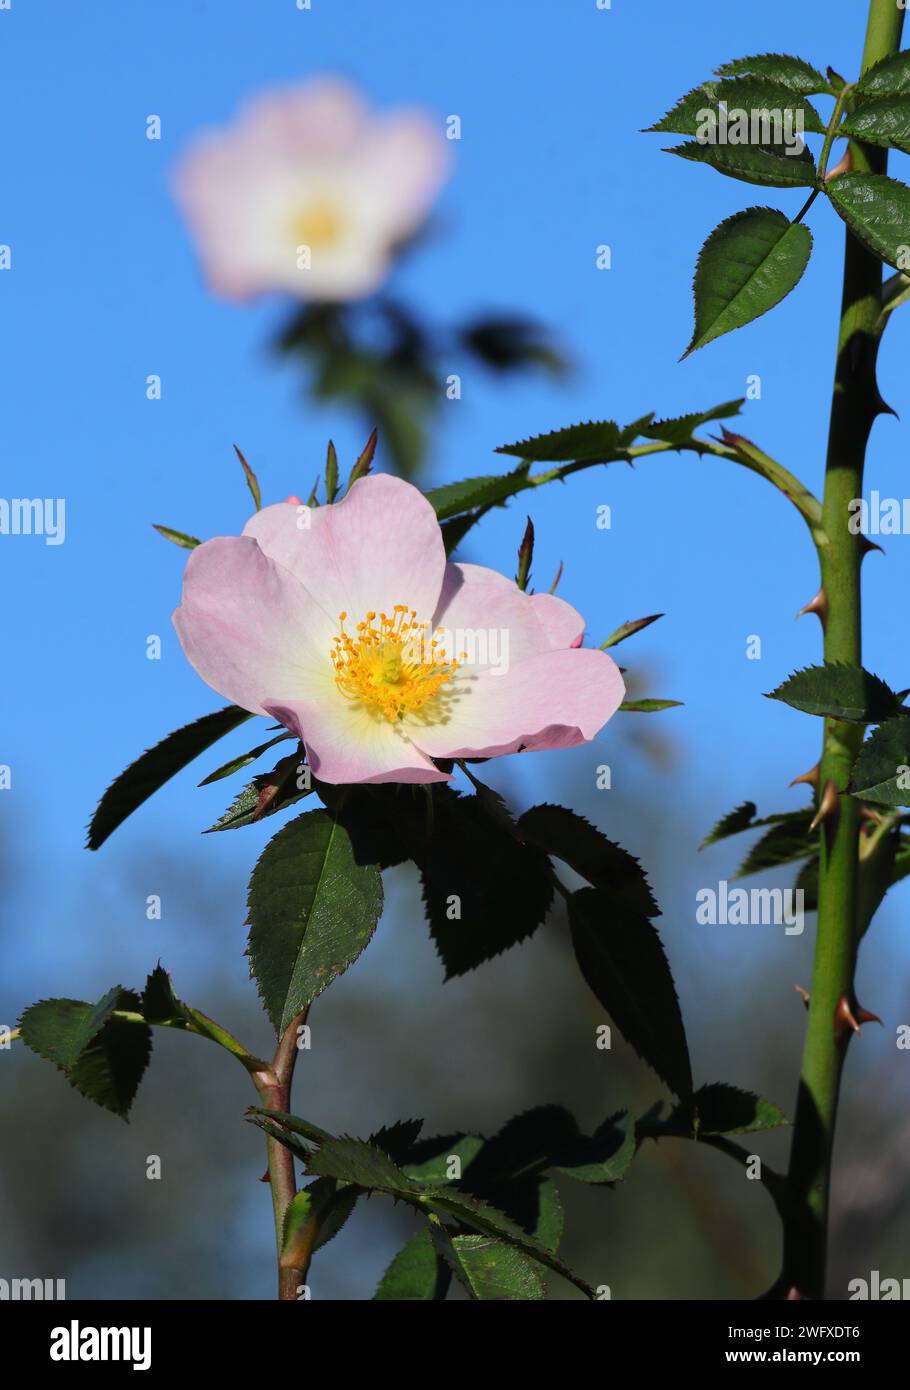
(105, 289)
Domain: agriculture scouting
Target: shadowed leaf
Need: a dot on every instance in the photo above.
(157, 766)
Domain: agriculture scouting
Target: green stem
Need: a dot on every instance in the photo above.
(831, 131)
(854, 406)
(274, 1087)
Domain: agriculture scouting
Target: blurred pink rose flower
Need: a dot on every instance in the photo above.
(309, 193)
(346, 624)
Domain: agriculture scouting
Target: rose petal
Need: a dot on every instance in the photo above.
(563, 624)
(553, 700)
(487, 616)
(247, 626)
(344, 743)
(380, 546)
(404, 161)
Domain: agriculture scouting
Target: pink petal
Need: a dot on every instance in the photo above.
(326, 119)
(563, 624)
(554, 700)
(480, 609)
(247, 626)
(380, 546)
(405, 158)
(345, 744)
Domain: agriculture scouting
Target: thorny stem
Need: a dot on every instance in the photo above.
(740, 451)
(273, 1083)
(274, 1087)
(854, 406)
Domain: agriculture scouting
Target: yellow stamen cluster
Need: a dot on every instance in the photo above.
(392, 666)
(318, 226)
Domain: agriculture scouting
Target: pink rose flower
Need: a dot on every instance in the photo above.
(308, 193)
(346, 624)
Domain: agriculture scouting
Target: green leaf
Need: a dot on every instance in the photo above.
(795, 73)
(269, 792)
(571, 838)
(752, 95)
(336, 1212)
(722, 1109)
(280, 1133)
(252, 481)
(877, 210)
(235, 764)
(159, 1003)
(839, 691)
(883, 121)
(484, 890)
(768, 165)
(628, 629)
(321, 1204)
(630, 433)
(685, 117)
(398, 1139)
(881, 773)
(312, 1133)
(682, 428)
(747, 266)
(648, 706)
(102, 1057)
(457, 527)
(589, 442)
(602, 1158)
(429, 1161)
(486, 1219)
(743, 818)
(493, 1270)
(551, 1217)
(548, 1137)
(364, 460)
(417, 1274)
(451, 499)
(733, 823)
(298, 1213)
(177, 537)
(790, 839)
(889, 78)
(620, 955)
(312, 911)
(157, 766)
(356, 1161)
(331, 474)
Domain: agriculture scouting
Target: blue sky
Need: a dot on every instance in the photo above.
(105, 289)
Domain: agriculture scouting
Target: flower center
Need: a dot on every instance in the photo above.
(319, 225)
(392, 666)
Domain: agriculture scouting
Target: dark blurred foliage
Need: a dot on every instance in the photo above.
(378, 358)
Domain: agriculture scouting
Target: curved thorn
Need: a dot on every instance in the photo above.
(810, 778)
(846, 1018)
(827, 806)
(819, 606)
(844, 167)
